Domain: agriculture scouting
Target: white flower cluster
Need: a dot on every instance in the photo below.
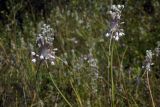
(46, 36)
(115, 31)
(148, 60)
(157, 49)
(93, 64)
(92, 61)
(45, 42)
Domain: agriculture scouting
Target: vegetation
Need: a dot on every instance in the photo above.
(91, 68)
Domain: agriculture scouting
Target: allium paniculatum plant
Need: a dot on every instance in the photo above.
(148, 60)
(157, 49)
(147, 66)
(44, 43)
(115, 30)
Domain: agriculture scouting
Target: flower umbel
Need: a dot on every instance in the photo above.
(148, 60)
(44, 42)
(157, 49)
(115, 31)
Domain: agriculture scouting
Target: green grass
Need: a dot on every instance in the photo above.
(117, 79)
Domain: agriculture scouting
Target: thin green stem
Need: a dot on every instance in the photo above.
(59, 90)
(109, 63)
(112, 80)
(77, 95)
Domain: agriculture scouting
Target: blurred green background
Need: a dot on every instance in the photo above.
(80, 27)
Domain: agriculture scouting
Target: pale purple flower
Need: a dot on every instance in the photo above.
(44, 42)
(115, 30)
(33, 60)
(148, 60)
(157, 49)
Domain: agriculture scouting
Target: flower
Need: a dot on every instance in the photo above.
(157, 49)
(115, 31)
(148, 60)
(33, 53)
(33, 60)
(44, 42)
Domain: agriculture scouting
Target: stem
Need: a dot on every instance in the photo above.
(59, 90)
(38, 69)
(112, 81)
(110, 69)
(37, 80)
(76, 93)
(109, 64)
(149, 87)
(24, 96)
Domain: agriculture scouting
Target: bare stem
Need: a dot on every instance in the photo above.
(149, 87)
